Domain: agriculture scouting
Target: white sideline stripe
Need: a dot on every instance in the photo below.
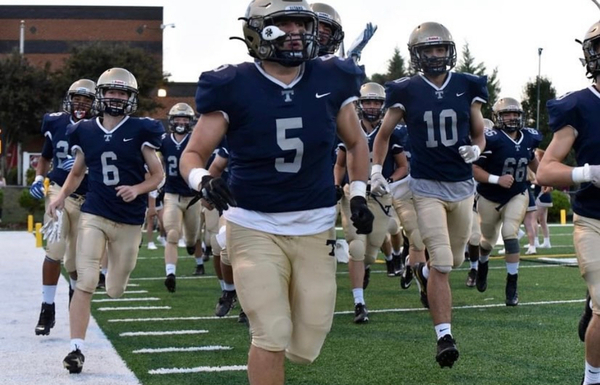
(134, 308)
(133, 284)
(126, 292)
(192, 349)
(126, 299)
(178, 278)
(165, 333)
(27, 359)
(179, 257)
(169, 319)
(198, 369)
(397, 310)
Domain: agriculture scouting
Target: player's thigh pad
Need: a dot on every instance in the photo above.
(91, 242)
(489, 221)
(586, 239)
(512, 215)
(123, 242)
(405, 209)
(172, 217)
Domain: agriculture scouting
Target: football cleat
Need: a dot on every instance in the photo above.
(586, 317)
(152, 246)
(512, 297)
(482, 273)
(407, 277)
(471, 278)
(171, 283)
(206, 254)
(46, 321)
(361, 314)
(447, 353)
(422, 284)
(367, 277)
(199, 270)
(73, 362)
(101, 281)
(391, 271)
(398, 264)
(226, 303)
(190, 249)
(243, 318)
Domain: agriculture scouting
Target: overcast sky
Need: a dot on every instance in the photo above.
(502, 34)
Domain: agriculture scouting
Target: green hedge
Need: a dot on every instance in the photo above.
(560, 201)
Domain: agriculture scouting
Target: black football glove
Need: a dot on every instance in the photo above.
(339, 192)
(362, 217)
(216, 193)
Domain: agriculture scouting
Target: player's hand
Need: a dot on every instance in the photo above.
(127, 193)
(37, 190)
(362, 217)
(506, 181)
(595, 175)
(469, 153)
(67, 164)
(361, 41)
(379, 186)
(339, 192)
(547, 189)
(216, 193)
(57, 204)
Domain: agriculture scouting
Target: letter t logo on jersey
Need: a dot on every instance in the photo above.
(288, 95)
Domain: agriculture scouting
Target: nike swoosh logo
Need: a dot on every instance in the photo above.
(443, 330)
(319, 96)
(127, 140)
(593, 372)
(459, 95)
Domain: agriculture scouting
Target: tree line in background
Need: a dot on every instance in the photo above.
(27, 92)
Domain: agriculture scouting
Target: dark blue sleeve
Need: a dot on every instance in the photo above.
(563, 112)
(211, 94)
(394, 92)
(478, 87)
(396, 143)
(153, 133)
(490, 141)
(223, 153)
(73, 136)
(48, 149)
(353, 77)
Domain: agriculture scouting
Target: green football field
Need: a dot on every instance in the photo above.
(174, 338)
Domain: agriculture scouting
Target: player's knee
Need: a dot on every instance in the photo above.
(486, 246)
(115, 292)
(299, 359)
(56, 251)
(357, 250)
(172, 236)
(475, 239)
(87, 280)
(51, 260)
(393, 226)
(275, 336)
(370, 258)
(511, 246)
(444, 269)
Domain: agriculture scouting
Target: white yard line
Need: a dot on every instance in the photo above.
(126, 299)
(126, 308)
(126, 292)
(27, 359)
(178, 350)
(198, 369)
(163, 333)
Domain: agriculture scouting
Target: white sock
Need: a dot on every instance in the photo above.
(199, 261)
(73, 283)
(358, 295)
(547, 241)
(170, 268)
(388, 257)
(396, 252)
(592, 374)
(520, 234)
(228, 286)
(484, 258)
(426, 271)
(222, 283)
(48, 293)
(474, 265)
(442, 329)
(104, 271)
(77, 343)
(512, 268)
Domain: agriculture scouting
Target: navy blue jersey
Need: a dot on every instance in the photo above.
(280, 136)
(439, 122)
(401, 131)
(394, 148)
(171, 151)
(579, 110)
(114, 158)
(57, 149)
(223, 152)
(503, 155)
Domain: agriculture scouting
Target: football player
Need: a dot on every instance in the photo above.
(331, 34)
(543, 201)
(114, 148)
(574, 121)
(503, 199)
(280, 141)
(178, 219)
(363, 248)
(77, 105)
(442, 110)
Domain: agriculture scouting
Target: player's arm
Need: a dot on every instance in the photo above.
(339, 169)
(477, 128)
(534, 164)
(354, 139)
(482, 176)
(551, 171)
(401, 167)
(71, 184)
(156, 172)
(217, 166)
(43, 167)
(206, 136)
